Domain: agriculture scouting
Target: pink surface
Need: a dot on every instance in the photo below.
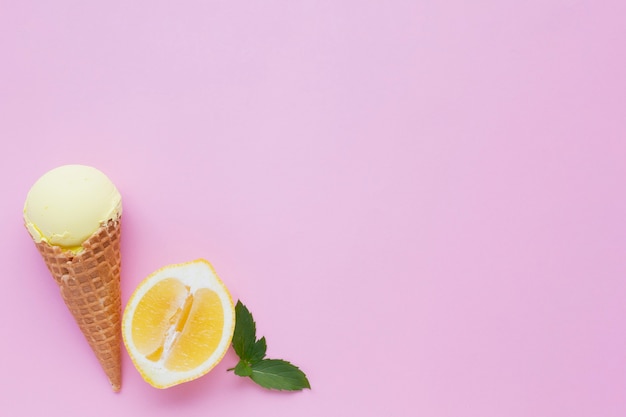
(422, 202)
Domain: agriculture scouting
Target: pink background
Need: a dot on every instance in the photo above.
(422, 202)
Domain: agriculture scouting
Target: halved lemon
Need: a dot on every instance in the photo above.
(179, 323)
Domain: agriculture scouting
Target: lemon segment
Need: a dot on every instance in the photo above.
(155, 314)
(201, 333)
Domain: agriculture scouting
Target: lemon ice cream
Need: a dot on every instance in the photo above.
(69, 203)
(73, 214)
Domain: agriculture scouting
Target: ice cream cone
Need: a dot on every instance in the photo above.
(73, 213)
(89, 282)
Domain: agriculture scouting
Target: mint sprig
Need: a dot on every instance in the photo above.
(269, 373)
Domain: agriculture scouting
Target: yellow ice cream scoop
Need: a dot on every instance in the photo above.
(68, 204)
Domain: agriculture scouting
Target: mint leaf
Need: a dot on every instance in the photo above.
(269, 373)
(279, 374)
(243, 369)
(244, 336)
(258, 352)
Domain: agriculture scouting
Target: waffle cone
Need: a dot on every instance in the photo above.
(89, 282)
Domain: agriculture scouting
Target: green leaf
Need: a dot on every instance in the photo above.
(244, 336)
(243, 369)
(279, 374)
(258, 352)
(269, 373)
